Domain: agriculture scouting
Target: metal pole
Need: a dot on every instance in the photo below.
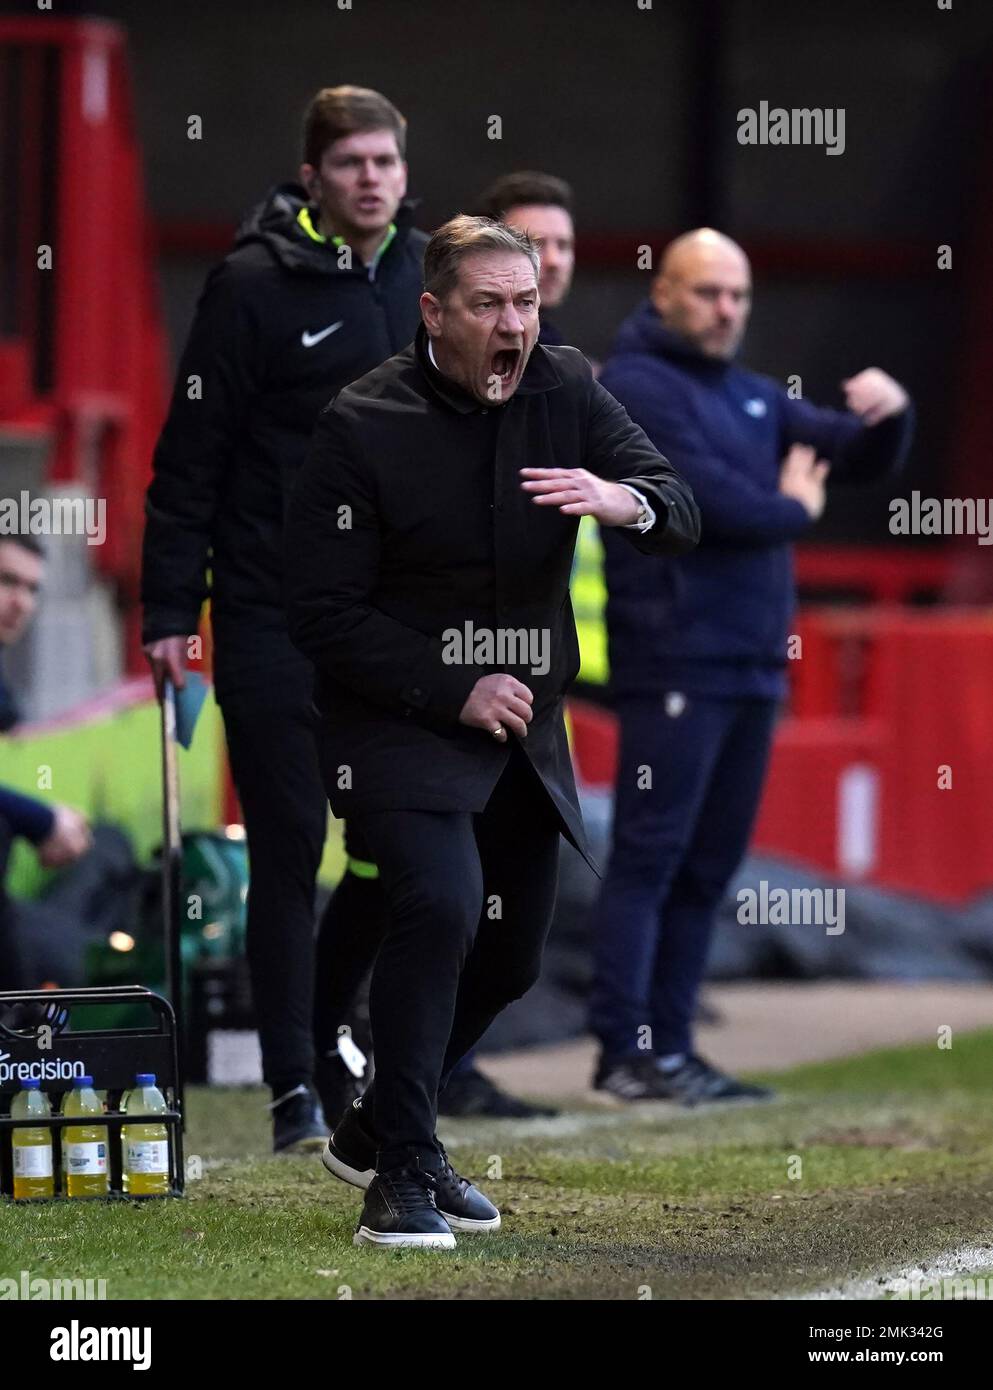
(172, 865)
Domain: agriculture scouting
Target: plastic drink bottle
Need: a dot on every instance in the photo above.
(33, 1172)
(84, 1146)
(145, 1147)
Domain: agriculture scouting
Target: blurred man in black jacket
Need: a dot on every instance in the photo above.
(429, 548)
(322, 285)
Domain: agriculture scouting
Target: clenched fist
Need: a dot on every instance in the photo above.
(167, 658)
(497, 703)
(69, 839)
(873, 395)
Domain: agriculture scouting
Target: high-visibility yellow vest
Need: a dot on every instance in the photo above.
(589, 603)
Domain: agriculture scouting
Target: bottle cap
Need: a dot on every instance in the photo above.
(83, 1081)
(145, 1078)
(31, 1083)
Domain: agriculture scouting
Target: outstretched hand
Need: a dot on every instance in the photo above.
(579, 493)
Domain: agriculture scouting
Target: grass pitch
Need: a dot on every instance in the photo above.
(863, 1165)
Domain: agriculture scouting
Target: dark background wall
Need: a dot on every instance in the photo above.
(637, 109)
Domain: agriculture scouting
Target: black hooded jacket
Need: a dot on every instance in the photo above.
(279, 329)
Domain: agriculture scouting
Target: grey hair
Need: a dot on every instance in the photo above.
(465, 236)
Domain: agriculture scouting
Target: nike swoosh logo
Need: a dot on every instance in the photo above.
(311, 339)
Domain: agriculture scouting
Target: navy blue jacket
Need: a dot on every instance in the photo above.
(19, 814)
(716, 621)
(9, 713)
(25, 816)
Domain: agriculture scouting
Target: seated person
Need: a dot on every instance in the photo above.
(60, 834)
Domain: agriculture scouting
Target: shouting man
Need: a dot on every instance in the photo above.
(442, 494)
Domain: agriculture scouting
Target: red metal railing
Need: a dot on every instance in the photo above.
(87, 323)
(883, 767)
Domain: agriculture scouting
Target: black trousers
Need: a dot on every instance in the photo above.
(301, 995)
(469, 902)
(274, 765)
(351, 930)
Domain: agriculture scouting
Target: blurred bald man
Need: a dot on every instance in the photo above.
(697, 646)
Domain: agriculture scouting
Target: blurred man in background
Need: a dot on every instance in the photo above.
(322, 285)
(540, 205)
(59, 834)
(22, 568)
(698, 646)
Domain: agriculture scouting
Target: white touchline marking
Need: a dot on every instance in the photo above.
(949, 1264)
(635, 1115)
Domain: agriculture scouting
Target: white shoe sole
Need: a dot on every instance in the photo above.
(362, 1177)
(357, 1177)
(434, 1241)
(479, 1228)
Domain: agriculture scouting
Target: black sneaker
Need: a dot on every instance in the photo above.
(298, 1124)
(696, 1082)
(630, 1078)
(350, 1154)
(463, 1206)
(400, 1209)
(471, 1093)
(335, 1084)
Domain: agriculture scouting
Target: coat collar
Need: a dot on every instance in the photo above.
(540, 374)
(644, 331)
(274, 223)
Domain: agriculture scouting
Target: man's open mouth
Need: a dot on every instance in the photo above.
(504, 364)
